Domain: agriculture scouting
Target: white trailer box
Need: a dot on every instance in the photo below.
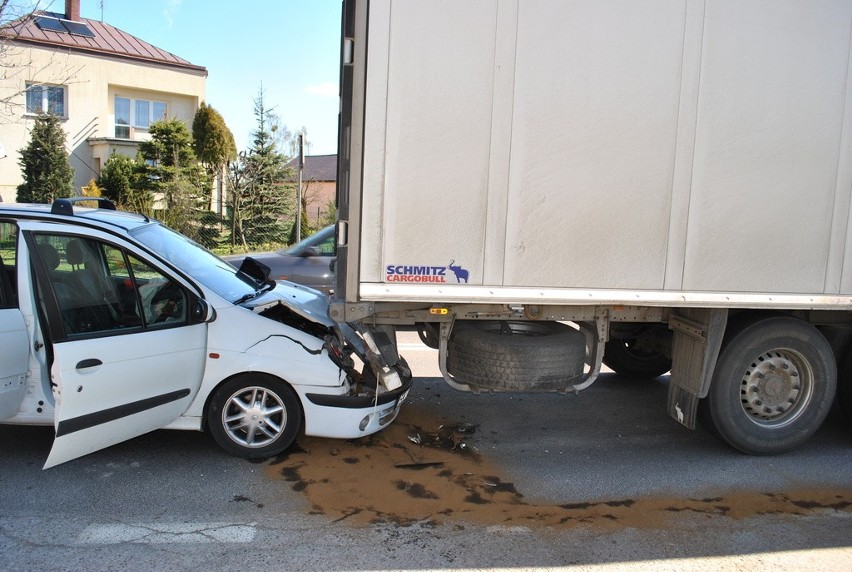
(679, 162)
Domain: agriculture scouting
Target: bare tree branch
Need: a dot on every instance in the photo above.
(16, 61)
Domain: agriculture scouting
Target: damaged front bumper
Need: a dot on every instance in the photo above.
(351, 416)
(374, 394)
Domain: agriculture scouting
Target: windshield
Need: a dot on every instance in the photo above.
(197, 262)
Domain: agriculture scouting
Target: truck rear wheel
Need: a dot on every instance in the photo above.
(844, 387)
(625, 357)
(516, 356)
(773, 386)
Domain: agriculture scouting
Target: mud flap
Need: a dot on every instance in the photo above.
(698, 336)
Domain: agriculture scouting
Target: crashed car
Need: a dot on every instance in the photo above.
(113, 325)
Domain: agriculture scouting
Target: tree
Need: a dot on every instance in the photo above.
(119, 181)
(329, 216)
(212, 141)
(305, 226)
(47, 173)
(15, 64)
(168, 169)
(260, 200)
(214, 146)
(92, 189)
(170, 145)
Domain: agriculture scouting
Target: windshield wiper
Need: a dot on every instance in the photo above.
(247, 297)
(266, 287)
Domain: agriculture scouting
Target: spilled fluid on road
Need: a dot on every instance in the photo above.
(423, 469)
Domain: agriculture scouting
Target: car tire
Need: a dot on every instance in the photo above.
(254, 416)
(516, 356)
(773, 386)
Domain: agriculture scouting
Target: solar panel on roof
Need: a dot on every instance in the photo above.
(64, 26)
(51, 24)
(78, 29)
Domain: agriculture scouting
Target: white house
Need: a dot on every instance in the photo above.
(107, 86)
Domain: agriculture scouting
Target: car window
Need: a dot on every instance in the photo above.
(327, 246)
(164, 302)
(8, 264)
(324, 243)
(99, 288)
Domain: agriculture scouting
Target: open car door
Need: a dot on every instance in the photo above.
(128, 351)
(14, 359)
(115, 388)
(14, 340)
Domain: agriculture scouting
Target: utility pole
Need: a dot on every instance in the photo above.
(299, 188)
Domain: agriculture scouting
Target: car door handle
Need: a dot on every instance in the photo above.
(91, 362)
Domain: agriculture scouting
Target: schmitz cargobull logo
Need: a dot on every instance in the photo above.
(427, 274)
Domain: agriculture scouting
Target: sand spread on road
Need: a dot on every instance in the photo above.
(423, 469)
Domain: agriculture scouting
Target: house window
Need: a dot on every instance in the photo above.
(46, 99)
(148, 112)
(122, 117)
(159, 110)
(143, 113)
(139, 113)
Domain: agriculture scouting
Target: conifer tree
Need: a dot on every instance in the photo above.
(118, 180)
(44, 161)
(260, 204)
(168, 169)
(212, 141)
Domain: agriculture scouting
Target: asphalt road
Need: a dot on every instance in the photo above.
(596, 481)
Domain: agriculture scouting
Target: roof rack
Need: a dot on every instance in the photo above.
(66, 206)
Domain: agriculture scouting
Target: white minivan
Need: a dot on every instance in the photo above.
(113, 325)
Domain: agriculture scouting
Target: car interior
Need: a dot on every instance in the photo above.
(7, 291)
(92, 299)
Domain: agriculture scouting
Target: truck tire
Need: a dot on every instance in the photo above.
(844, 387)
(516, 356)
(773, 386)
(622, 357)
(428, 334)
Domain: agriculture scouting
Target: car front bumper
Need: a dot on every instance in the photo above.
(352, 416)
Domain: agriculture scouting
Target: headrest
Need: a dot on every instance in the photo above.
(74, 252)
(48, 255)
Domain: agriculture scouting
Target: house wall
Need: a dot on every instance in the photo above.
(319, 194)
(92, 82)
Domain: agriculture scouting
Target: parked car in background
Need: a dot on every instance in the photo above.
(113, 325)
(309, 262)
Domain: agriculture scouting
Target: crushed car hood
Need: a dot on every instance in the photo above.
(306, 302)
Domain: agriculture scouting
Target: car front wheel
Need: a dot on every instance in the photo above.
(254, 416)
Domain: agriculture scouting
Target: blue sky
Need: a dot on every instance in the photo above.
(291, 47)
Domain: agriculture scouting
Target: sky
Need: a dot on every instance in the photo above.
(290, 47)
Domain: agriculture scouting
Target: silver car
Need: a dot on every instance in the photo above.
(309, 262)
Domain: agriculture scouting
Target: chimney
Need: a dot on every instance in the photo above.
(72, 10)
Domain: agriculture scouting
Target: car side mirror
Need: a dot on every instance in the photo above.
(255, 269)
(310, 251)
(203, 312)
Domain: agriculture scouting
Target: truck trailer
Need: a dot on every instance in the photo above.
(543, 187)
